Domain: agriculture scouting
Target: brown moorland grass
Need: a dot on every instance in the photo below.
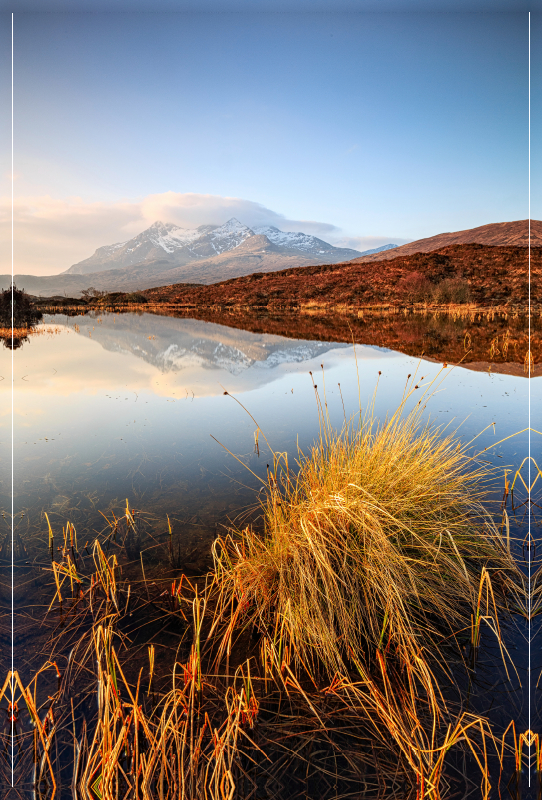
(490, 275)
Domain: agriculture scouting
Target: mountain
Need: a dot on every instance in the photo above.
(167, 244)
(165, 253)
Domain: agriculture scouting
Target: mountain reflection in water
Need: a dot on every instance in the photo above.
(125, 405)
(477, 338)
(177, 345)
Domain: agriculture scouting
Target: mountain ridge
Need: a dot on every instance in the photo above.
(169, 243)
(165, 254)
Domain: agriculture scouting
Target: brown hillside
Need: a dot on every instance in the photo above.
(500, 234)
(490, 276)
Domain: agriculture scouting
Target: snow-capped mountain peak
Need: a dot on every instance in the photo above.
(167, 242)
(224, 237)
(231, 234)
(232, 228)
(298, 241)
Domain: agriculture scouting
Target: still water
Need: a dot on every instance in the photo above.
(132, 408)
(124, 406)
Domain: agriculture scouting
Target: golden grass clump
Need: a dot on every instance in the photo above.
(380, 543)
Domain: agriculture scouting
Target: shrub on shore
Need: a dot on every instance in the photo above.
(415, 287)
(135, 297)
(451, 290)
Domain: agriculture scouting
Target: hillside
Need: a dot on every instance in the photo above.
(503, 234)
(483, 274)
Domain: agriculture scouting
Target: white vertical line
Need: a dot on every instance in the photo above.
(529, 404)
(12, 420)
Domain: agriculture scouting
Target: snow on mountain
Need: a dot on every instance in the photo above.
(170, 237)
(297, 241)
(230, 235)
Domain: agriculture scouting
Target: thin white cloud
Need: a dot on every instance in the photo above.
(51, 234)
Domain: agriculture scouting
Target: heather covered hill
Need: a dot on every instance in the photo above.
(483, 274)
(502, 234)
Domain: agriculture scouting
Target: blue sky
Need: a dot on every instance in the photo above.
(359, 127)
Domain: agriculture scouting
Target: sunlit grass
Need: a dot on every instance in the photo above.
(377, 542)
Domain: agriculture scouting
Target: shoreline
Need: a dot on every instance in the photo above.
(462, 310)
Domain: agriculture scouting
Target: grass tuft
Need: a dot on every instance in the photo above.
(377, 544)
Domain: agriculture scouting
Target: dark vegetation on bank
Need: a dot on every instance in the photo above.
(92, 298)
(18, 316)
(17, 308)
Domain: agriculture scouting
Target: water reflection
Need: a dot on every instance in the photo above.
(198, 353)
(480, 339)
(113, 402)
